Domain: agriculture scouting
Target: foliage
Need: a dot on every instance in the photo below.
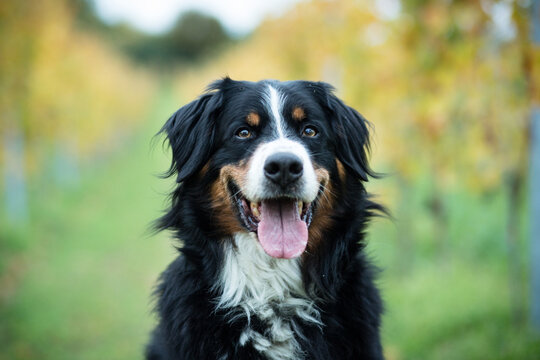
(194, 37)
(434, 78)
(80, 285)
(63, 88)
(448, 97)
(81, 291)
(448, 93)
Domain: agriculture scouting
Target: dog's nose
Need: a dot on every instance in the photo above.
(283, 168)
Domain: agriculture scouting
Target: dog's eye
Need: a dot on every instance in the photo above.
(243, 133)
(310, 131)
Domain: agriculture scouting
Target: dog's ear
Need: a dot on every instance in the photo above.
(351, 131)
(190, 132)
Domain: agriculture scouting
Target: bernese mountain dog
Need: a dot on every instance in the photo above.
(270, 210)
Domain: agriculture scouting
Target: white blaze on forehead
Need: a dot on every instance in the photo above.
(256, 184)
(274, 103)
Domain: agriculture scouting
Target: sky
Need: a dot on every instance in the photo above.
(242, 16)
(155, 16)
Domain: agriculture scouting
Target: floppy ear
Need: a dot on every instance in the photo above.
(190, 133)
(350, 130)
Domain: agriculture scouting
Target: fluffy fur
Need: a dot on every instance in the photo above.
(225, 297)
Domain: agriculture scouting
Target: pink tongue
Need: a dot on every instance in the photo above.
(281, 232)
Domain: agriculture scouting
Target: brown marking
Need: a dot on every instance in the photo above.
(298, 113)
(253, 119)
(204, 170)
(323, 176)
(224, 212)
(341, 170)
(322, 218)
(223, 208)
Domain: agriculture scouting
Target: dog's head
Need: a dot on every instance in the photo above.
(272, 158)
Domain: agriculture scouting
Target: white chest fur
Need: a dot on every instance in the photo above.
(253, 283)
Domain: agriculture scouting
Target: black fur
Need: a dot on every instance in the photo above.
(338, 275)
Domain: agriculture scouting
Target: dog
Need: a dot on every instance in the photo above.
(270, 208)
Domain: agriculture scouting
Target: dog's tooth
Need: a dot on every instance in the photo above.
(300, 205)
(255, 209)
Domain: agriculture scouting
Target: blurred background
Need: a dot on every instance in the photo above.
(449, 86)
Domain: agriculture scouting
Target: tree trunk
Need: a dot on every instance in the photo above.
(516, 184)
(15, 176)
(534, 184)
(534, 172)
(438, 209)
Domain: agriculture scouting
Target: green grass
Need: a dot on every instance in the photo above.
(75, 282)
(458, 311)
(84, 267)
(454, 301)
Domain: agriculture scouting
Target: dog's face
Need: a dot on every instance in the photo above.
(272, 158)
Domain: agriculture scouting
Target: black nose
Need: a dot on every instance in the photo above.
(283, 168)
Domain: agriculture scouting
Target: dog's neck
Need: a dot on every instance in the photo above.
(253, 283)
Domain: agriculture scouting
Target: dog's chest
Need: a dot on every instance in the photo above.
(254, 284)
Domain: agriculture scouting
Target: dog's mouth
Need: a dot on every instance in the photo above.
(281, 224)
